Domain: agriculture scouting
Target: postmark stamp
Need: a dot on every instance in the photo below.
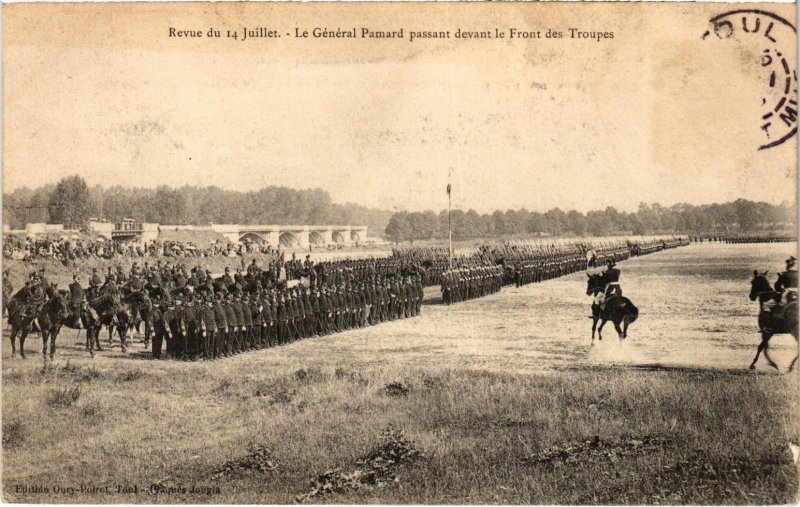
(775, 37)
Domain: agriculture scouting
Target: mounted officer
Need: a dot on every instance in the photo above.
(94, 283)
(787, 281)
(77, 298)
(611, 284)
(612, 280)
(786, 288)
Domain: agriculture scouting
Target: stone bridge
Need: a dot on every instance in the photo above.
(294, 235)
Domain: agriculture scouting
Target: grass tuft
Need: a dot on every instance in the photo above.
(258, 459)
(64, 397)
(14, 434)
(396, 389)
(131, 375)
(378, 468)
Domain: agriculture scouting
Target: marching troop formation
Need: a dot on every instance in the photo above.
(220, 325)
(750, 238)
(463, 284)
(192, 314)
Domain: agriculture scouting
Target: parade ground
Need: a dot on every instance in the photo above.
(502, 399)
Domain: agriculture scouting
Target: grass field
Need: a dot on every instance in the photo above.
(500, 400)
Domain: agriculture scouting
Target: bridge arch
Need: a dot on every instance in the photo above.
(289, 239)
(316, 238)
(337, 237)
(355, 236)
(252, 236)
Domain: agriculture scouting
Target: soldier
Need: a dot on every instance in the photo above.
(191, 321)
(232, 335)
(340, 306)
(208, 328)
(314, 300)
(372, 300)
(179, 332)
(308, 309)
(76, 297)
(612, 280)
(238, 329)
(110, 286)
(171, 328)
(299, 310)
(787, 281)
(273, 318)
(420, 296)
(145, 311)
(94, 283)
(257, 329)
(227, 279)
(159, 327)
(282, 319)
(324, 311)
(220, 316)
(349, 307)
(253, 268)
(247, 321)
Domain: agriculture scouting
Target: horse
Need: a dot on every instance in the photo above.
(7, 290)
(114, 315)
(50, 318)
(21, 319)
(617, 309)
(139, 309)
(768, 299)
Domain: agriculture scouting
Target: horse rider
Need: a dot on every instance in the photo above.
(591, 258)
(31, 296)
(77, 298)
(787, 282)
(94, 283)
(33, 291)
(110, 287)
(611, 281)
(786, 289)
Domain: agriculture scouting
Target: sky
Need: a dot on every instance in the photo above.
(656, 114)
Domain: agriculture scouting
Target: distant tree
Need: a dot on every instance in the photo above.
(554, 221)
(71, 202)
(168, 206)
(398, 228)
(576, 223)
(498, 223)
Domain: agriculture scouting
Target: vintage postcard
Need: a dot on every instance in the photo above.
(425, 253)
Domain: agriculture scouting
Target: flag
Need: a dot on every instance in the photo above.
(448, 189)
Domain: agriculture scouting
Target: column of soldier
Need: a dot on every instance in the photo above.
(200, 317)
(522, 262)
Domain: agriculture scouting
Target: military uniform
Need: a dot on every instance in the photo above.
(208, 329)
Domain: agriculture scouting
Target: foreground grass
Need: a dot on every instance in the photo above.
(481, 437)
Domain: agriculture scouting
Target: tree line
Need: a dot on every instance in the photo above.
(71, 201)
(739, 216)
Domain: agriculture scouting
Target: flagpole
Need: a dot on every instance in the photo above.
(449, 226)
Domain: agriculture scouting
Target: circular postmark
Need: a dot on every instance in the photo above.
(776, 39)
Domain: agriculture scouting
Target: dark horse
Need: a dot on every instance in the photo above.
(770, 325)
(22, 315)
(50, 319)
(617, 309)
(109, 312)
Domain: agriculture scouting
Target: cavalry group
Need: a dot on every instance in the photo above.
(190, 313)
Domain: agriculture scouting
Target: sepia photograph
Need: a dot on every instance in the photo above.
(516, 253)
